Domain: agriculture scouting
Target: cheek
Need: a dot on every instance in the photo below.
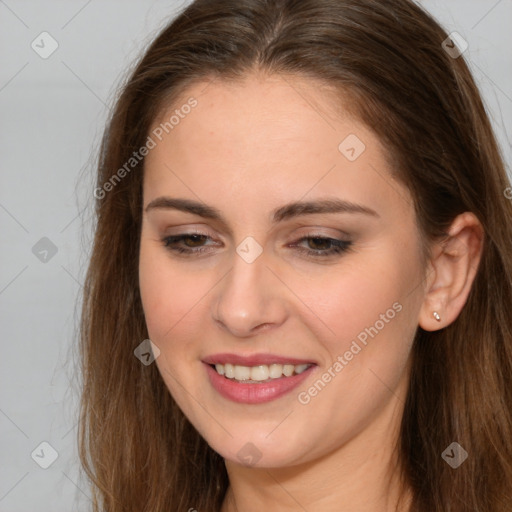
(366, 313)
(175, 300)
(168, 301)
(370, 314)
(352, 296)
(165, 297)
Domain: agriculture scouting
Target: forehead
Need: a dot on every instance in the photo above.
(264, 141)
(261, 110)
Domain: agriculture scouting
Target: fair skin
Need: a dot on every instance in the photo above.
(246, 149)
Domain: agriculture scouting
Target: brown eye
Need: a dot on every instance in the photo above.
(195, 240)
(186, 243)
(319, 243)
(319, 246)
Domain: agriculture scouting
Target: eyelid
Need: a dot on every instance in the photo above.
(324, 232)
(309, 231)
(187, 230)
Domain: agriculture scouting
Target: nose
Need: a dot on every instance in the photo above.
(249, 299)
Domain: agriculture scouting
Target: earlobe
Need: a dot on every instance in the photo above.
(454, 267)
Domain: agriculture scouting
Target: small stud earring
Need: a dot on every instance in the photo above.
(436, 316)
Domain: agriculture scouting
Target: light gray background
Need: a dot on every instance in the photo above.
(52, 115)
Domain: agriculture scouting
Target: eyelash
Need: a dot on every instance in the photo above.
(340, 246)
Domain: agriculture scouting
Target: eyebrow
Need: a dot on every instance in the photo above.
(287, 211)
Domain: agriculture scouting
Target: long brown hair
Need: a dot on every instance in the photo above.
(387, 56)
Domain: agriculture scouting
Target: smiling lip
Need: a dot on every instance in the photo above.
(252, 392)
(254, 360)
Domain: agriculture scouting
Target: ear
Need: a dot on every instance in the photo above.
(453, 267)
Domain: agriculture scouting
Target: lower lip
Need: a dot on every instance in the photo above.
(251, 393)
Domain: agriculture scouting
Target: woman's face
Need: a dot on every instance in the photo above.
(262, 289)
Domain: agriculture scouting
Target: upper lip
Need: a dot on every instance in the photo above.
(253, 360)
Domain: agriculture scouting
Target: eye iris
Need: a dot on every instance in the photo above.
(323, 242)
(194, 238)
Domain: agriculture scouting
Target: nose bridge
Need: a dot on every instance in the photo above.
(249, 296)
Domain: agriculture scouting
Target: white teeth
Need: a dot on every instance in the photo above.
(275, 371)
(242, 372)
(259, 373)
(229, 371)
(288, 370)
